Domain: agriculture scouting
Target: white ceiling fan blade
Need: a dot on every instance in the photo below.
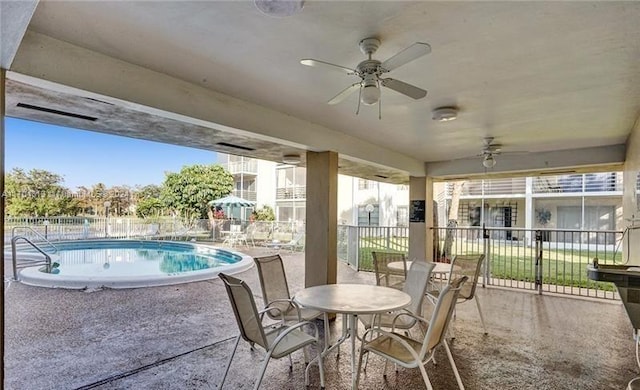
(409, 54)
(404, 88)
(323, 64)
(344, 93)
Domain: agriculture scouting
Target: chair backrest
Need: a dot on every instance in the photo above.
(244, 308)
(469, 266)
(380, 262)
(273, 281)
(416, 284)
(441, 316)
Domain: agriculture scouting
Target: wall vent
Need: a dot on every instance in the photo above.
(57, 112)
(228, 145)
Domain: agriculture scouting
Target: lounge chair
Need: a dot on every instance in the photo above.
(297, 243)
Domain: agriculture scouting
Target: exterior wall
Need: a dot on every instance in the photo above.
(587, 202)
(266, 184)
(630, 201)
(347, 210)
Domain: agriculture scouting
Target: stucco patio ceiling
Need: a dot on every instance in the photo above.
(559, 81)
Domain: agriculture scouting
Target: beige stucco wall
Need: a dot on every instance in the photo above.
(631, 208)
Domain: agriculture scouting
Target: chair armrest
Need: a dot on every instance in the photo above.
(393, 336)
(268, 308)
(293, 327)
(291, 302)
(406, 313)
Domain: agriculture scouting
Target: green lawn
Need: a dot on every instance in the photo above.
(512, 262)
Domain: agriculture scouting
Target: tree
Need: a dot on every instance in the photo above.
(38, 193)
(148, 202)
(150, 191)
(149, 207)
(121, 199)
(452, 223)
(189, 191)
(265, 213)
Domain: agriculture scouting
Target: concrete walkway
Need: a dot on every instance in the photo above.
(179, 337)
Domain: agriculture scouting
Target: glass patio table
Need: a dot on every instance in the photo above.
(351, 300)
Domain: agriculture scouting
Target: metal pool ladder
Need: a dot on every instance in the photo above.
(29, 263)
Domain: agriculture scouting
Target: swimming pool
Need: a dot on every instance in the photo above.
(132, 264)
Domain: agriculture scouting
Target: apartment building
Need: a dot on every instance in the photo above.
(283, 187)
(590, 201)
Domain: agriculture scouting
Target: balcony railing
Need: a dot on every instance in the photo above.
(288, 193)
(246, 166)
(491, 187)
(245, 194)
(592, 182)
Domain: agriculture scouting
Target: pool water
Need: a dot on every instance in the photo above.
(129, 263)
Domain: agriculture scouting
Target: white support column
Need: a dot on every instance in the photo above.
(420, 218)
(321, 245)
(528, 210)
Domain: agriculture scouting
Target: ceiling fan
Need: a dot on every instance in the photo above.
(488, 152)
(370, 72)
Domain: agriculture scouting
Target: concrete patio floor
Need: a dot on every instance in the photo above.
(179, 337)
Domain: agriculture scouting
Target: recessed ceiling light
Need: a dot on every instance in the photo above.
(445, 114)
(280, 8)
(292, 158)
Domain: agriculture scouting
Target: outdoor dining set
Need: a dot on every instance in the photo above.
(390, 312)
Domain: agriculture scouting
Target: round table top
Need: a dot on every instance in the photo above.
(440, 268)
(352, 298)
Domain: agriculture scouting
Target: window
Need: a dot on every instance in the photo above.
(402, 215)
(364, 184)
(368, 219)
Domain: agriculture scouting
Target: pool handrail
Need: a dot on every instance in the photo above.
(14, 259)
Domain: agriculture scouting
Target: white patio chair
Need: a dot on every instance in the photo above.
(275, 291)
(469, 266)
(386, 276)
(278, 341)
(411, 353)
(416, 286)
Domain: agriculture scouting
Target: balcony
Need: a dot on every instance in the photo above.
(592, 182)
(245, 167)
(289, 193)
(477, 188)
(245, 194)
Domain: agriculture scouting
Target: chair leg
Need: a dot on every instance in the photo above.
(453, 365)
(362, 351)
(264, 368)
(291, 363)
(425, 377)
(235, 347)
(481, 316)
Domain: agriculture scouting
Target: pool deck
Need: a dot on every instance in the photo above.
(180, 337)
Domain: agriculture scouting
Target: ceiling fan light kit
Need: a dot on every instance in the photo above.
(445, 114)
(489, 161)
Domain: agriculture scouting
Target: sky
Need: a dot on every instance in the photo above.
(85, 158)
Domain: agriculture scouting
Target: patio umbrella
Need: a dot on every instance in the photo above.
(231, 201)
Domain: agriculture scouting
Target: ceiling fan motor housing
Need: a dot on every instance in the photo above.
(368, 46)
